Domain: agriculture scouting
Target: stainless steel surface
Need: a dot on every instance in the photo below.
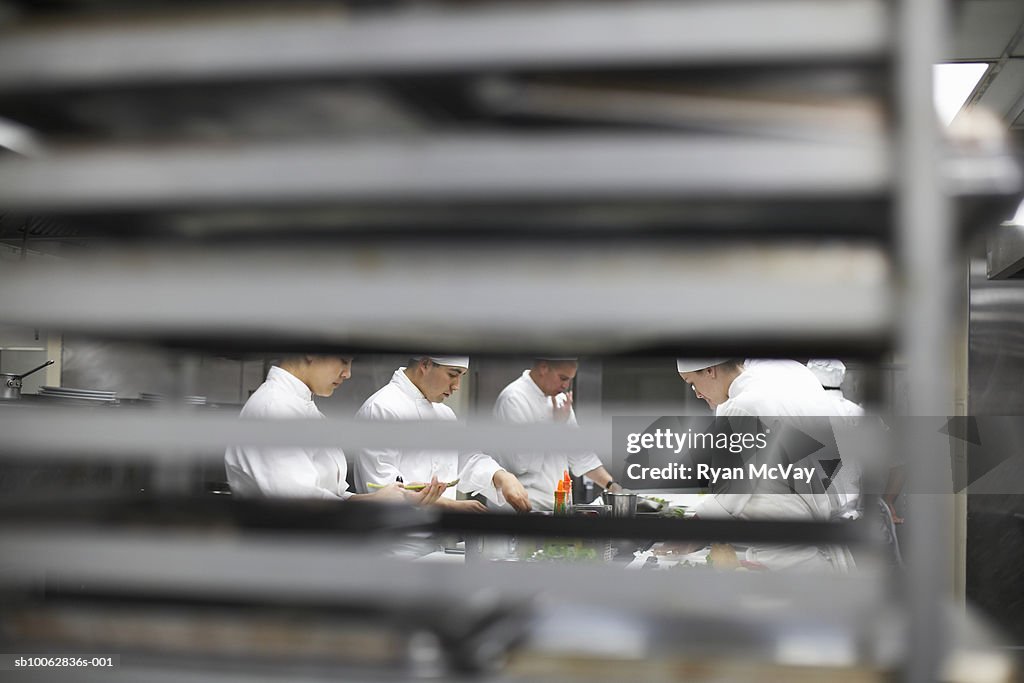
(157, 435)
(202, 564)
(10, 384)
(996, 345)
(995, 501)
(826, 117)
(1005, 252)
(491, 548)
(418, 40)
(778, 295)
(623, 503)
(589, 510)
(925, 246)
(438, 168)
(10, 387)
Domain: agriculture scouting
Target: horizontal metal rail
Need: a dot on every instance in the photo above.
(127, 435)
(319, 44)
(255, 565)
(445, 168)
(613, 298)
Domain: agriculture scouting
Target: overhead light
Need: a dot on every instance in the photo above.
(954, 83)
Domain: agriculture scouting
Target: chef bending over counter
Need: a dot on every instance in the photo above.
(416, 392)
(298, 472)
(765, 389)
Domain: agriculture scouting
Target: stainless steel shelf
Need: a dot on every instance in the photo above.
(258, 564)
(404, 296)
(146, 435)
(440, 168)
(325, 43)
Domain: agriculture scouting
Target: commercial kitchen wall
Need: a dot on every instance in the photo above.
(23, 348)
(995, 503)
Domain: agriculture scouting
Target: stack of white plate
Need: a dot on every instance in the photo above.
(69, 394)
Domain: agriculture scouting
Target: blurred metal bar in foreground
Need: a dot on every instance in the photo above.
(367, 521)
(155, 436)
(247, 565)
(365, 296)
(445, 168)
(530, 35)
(721, 530)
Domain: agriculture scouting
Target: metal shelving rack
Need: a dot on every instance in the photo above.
(356, 227)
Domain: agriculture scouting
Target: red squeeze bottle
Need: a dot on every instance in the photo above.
(567, 484)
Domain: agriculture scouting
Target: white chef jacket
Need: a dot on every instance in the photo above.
(776, 388)
(782, 388)
(285, 472)
(523, 402)
(846, 483)
(401, 400)
(843, 406)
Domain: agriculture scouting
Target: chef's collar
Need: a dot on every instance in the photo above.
(739, 383)
(406, 385)
(293, 383)
(533, 385)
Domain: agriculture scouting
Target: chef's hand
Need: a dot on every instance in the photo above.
(513, 491)
(614, 488)
(561, 413)
(428, 495)
(462, 505)
(392, 493)
(896, 519)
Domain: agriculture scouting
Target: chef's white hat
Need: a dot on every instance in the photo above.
(453, 361)
(829, 371)
(695, 364)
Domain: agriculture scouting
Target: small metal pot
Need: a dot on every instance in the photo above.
(623, 503)
(10, 384)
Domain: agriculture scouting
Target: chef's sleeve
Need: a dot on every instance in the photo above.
(476, 476)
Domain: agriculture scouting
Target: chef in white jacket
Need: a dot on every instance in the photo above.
(416, 392)
(769, 388)
(541, 395)
(302, 472)
(830, 372)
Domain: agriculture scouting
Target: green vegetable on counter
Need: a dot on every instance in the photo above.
(562, 552)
